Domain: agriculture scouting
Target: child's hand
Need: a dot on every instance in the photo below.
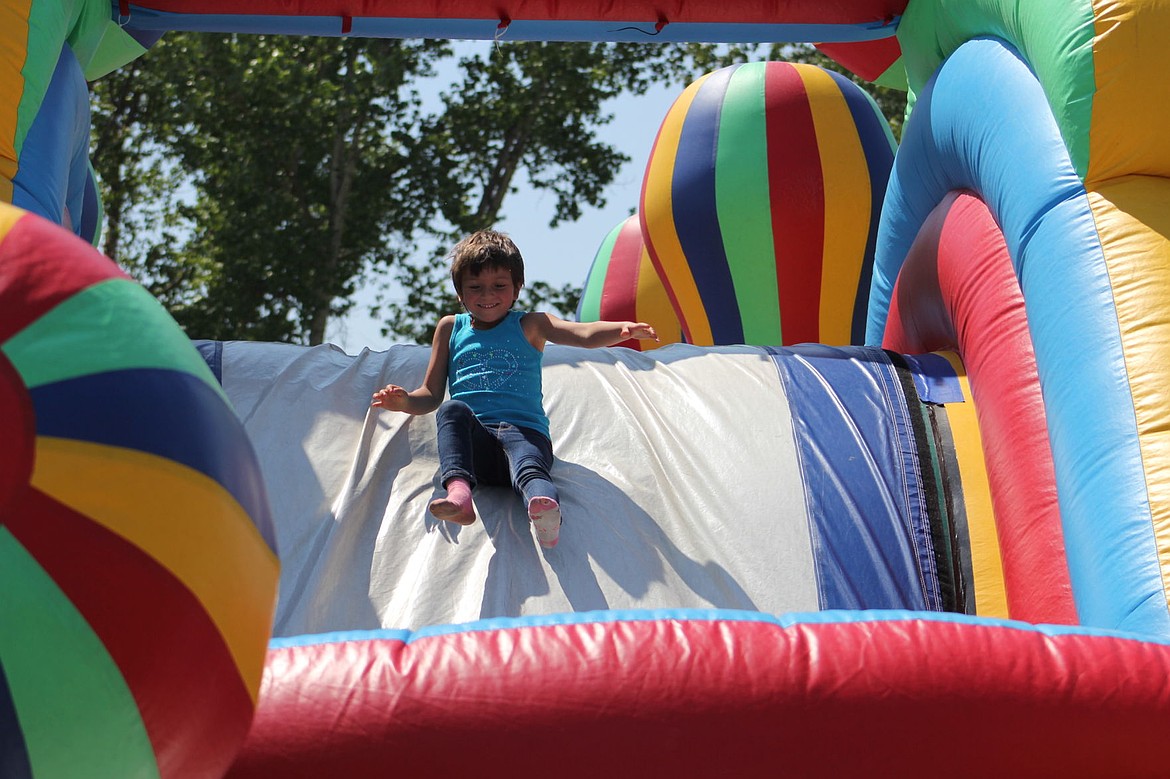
(639, 330)
(391, 397)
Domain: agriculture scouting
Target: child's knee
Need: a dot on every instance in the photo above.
(532, 467)
(454, 409)
(535, 480)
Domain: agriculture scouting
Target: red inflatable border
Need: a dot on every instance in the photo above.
(957, 291)
(689, 698)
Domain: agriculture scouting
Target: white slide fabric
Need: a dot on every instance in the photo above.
(677, 471)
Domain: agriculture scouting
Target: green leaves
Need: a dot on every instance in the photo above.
(252, 183)
(296, 156)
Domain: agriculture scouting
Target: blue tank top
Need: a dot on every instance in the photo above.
(497, 373)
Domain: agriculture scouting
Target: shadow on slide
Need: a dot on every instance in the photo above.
(607, 533)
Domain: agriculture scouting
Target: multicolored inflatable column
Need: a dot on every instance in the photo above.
(758, 240)
(51, 48)
(1054, 120)
(623, 285)
(137, 571)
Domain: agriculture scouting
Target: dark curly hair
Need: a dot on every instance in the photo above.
(483, 250)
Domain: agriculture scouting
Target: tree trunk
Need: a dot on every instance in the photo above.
(515, 144)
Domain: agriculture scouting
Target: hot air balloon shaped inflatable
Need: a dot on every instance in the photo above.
(624, 285)
(758, 240)
(136, 553)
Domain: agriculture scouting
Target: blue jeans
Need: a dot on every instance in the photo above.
(497, 454)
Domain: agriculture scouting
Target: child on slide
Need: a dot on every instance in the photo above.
(493, 429)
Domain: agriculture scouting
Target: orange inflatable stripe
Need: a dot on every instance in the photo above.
(184, 520)
(139, 611)
(1133, 223)
(986, 560)
(14, 33)
(658, 225)
(846, 204)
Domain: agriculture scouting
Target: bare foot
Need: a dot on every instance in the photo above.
(449, 510)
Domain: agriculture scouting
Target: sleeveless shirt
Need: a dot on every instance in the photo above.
(497, 373)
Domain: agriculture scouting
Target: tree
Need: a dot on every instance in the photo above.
(138, 183)
(298, 156)
(308, 163)
(253, 182)
(531, 109)
(535, 107)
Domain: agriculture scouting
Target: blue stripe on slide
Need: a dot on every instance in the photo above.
(871, 538)
(212, 354)
(934, 379)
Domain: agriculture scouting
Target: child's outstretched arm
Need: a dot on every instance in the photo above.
(426, 398)
(591, 335)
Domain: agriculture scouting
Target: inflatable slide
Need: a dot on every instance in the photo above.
(894, 501)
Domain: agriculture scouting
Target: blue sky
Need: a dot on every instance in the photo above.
(562, 255)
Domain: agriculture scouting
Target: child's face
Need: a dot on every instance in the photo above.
(489, 295)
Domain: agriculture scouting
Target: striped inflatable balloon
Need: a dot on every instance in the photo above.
(624, 286)
(137, 574)
(760, 205)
